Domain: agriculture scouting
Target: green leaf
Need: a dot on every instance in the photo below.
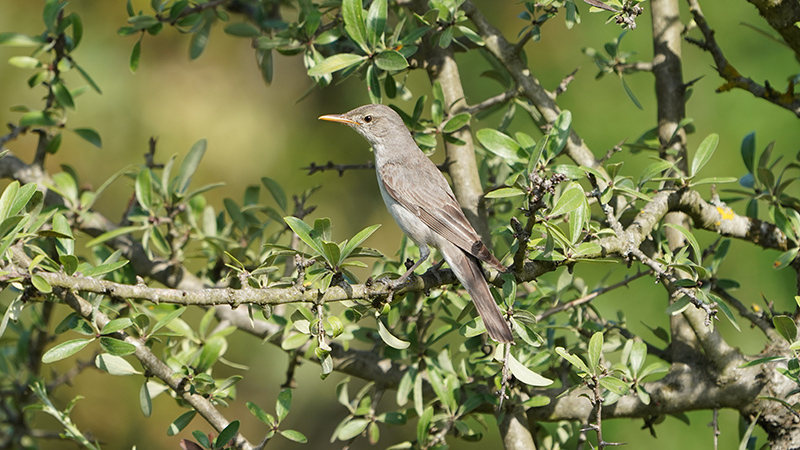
(357, 240)
(570, 200)
(261, 415)
(69, 263)
(88, 78)
(390, 60)
(180, 423)
(41, 284)
(576, 361)
(7, 200)
(36, 118)
(526, 375)
(352, 429)
(277, 192)
(786, 327)
(471, 35)
(630, 93)
(615, 385)
(213, 348)
(389, 338)
(24, 62)
(294, 341)
(305, 233)
(689, 237)
(500, 144)
(749, 151)
(226, 435)
(136, 54)
(558, 135)
(20, 40)
(167, 318)
(21, 199)
(65, 350)
(103, 269)
(116, 325)
(505, 192)
(577, 219)
(199, 41)
(726, 311)
(423, 425)
(294, 436)
(190, 164)
(63, 96)
(456, 123)
(678, 306)
(114, 365)
(283, 404)
(144, 189)
(765, 360)
(376, 21)
(595, 351)
(89, 135)
(704, 153)
(242, 29)
(785, 258)
(334, 63)
(145, 400)
(116, 347)
(353, 13)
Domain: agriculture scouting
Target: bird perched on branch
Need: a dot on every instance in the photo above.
(423, 205)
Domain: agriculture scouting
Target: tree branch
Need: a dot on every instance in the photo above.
(782, 16)
(734, 80)
(544, 101)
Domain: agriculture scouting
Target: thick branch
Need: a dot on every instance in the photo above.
(685, 388)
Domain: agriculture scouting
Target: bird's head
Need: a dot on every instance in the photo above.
(379, 124)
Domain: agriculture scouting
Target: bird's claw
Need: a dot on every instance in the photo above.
(389, 283)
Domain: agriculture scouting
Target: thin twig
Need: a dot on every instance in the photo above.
(491, 101)
(341, 168)
(591, 296)
(562, 87)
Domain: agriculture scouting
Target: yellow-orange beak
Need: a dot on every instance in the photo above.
(338, 118)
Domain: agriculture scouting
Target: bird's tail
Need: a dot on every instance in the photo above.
(467, 269)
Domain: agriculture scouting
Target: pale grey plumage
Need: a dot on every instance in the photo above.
(424, 206)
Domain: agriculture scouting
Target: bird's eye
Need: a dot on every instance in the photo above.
(367, 119)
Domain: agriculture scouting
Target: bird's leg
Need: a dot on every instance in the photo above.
(424, 252)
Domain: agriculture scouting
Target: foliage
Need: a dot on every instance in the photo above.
(265, 267)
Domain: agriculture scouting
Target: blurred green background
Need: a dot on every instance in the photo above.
(254, 130)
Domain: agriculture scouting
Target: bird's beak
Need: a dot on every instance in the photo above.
(338, 118)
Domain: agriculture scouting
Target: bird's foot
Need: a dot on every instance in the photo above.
(391, 284)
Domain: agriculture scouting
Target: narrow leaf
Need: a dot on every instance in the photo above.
(526, 375)
(704, 153)
(390, 339)
(114, 365)
(335, 63)
(391, 60)
(190, 164)
(64, 350)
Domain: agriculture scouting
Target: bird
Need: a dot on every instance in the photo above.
(422, 203)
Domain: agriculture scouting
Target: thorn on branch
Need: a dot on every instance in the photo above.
(562, 87)
(340, 168)
(150, 156)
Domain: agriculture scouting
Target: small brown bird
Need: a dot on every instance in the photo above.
(423, 205)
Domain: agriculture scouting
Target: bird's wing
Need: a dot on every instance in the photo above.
(425, 193)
